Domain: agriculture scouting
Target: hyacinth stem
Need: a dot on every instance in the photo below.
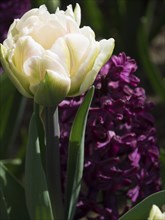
(53, 161)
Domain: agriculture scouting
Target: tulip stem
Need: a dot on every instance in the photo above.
(40, 131)
(53, 162)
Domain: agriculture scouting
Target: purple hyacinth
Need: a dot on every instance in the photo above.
(121, 154)
(10, 10)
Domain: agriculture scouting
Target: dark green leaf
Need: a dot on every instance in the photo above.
(3, 207)
(14, 195)
(12, 106)
(141, 210)
(37, 197)
(158, 21)
(152, 72)
(94, 16)
(162, 166)
(76, 156)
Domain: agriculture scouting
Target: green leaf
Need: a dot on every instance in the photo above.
(14, 195)
(3, 207)
(76, 156)
(94, 16)
(162, 166)
(141, 210)
(158, 21)
(11, 112)
(37, 197)
(126, 16)
(53, 174)
(152, 72)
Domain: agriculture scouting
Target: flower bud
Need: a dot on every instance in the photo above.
(49, 57)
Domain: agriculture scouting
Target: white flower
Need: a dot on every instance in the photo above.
(48, 56)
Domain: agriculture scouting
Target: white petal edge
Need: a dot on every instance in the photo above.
(85, 66)
(33, 12)
(14, 75)
(106, 49)
(77, 14)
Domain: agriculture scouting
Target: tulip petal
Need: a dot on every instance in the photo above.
(50, 33)
(78, 46)
(68, 22)
(40, 12)
(20, 81)
(12, 33)
(34, 72)
(26, 47)
(84, 67)
(88, 32)
(69, 11)
(73, 50)
(36, 67)
(52, 90)
(77, 14)
(52, 61)
(61, 50)
(156, 214)
(106, 49)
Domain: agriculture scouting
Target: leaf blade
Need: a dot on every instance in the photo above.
(37, 197)
(14, 194)
(141, 210)
(11, 113)
(76, 156)
(3, 207)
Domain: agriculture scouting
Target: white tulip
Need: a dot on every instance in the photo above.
(49, 57)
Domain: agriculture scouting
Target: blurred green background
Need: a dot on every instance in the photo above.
(138, 27)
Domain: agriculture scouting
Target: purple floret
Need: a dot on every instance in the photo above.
(121, 154)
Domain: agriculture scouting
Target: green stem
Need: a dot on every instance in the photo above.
(41, 135)
(53, 162)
